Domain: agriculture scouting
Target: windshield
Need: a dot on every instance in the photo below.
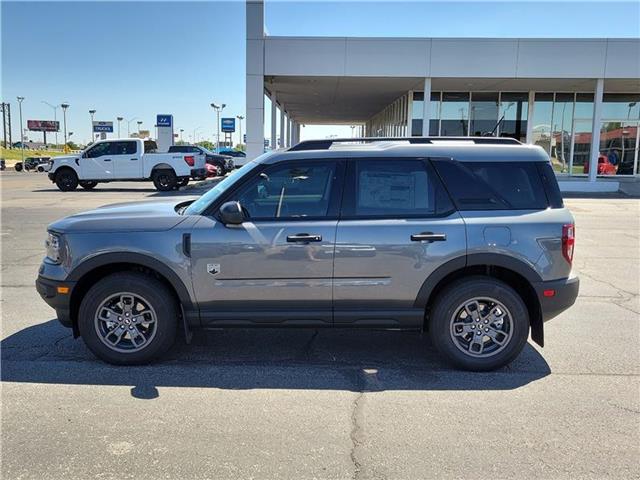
(201, 204)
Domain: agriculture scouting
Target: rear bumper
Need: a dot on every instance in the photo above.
(48, 290)
(556, 296)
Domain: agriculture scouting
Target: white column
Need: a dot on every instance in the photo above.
(426, 110)
(297, 132)
(531, 106)
(274, 112)
(595, 129)
(410, 114)
(289, 131)
(281, 144)
(255, 78)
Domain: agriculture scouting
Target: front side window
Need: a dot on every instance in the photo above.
(99, 150)
(394, 188)
(294, 190)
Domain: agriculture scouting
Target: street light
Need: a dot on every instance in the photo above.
(119, 120)
(92, 113)
(139, 122)
(194, 134)
(55, 117)
(20, 100)
(240, 118)
(181, 130)
(218, 109)
(64, 119)
(129, 125)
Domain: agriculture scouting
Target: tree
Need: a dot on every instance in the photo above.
(72, 146)
(206, 144)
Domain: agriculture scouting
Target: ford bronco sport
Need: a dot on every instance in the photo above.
(466, 239)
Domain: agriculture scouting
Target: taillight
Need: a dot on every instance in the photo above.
(568, 241)
(190, 159)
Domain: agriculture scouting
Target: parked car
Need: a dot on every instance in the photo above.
(124, 160)
(467, 240)
(221, 163)
(32, 163)
(605, 167)
(233, 153)
(3, 165)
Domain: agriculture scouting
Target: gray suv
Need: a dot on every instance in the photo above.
(466, 239)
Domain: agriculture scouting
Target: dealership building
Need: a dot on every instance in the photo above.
(579, 99)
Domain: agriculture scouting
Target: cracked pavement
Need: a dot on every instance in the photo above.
(308, 404)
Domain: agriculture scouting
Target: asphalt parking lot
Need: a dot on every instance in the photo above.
(320, 404)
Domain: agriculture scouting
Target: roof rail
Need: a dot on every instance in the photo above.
(327, 143)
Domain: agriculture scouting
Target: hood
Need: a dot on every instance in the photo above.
(123, 217)
(65, 158)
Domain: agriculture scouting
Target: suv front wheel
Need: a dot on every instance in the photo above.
(479, 323)
(128, 318)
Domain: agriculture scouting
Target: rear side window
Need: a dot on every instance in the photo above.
(493, 185)
(123, 148)
(389, 187)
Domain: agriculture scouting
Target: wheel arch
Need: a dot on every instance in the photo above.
(515, 273)
(162, 166)
(96, 268)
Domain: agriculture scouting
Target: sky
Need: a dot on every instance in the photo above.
(138, 59)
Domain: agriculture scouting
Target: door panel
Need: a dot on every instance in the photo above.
(276, 267)
(127, 160)
(397, 227)
(98, 164)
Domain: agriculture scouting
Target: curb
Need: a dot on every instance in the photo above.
(199, 184)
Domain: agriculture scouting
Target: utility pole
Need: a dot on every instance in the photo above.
(119, 120)
(92, 113)
(20, 100)
(64, 119)
(218, 109)
(6, 124)
(240, 118)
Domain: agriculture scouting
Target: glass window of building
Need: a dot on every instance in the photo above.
(581, 147)
(484, 114)
(542, 117)
(454, 114)
(562, 126)
(514, 108)
(584, 106)
(434, 121)
(621, 106)
(417, 113)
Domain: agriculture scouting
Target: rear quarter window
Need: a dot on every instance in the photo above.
(493, 185)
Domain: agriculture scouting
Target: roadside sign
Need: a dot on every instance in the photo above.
(164, 120)
(43, 125)
(228, 124)
(102, 127)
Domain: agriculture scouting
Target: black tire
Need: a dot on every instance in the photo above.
(154, 292)
(88, 185)
(444, 312)
(165, 180)
(183, 182)
(66, 180)
(18, 167)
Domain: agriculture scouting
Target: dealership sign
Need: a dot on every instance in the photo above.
(103, 127)
(228, 124)
(164, 120)
(43, 125)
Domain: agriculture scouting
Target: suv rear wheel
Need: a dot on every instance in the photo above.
(128, 318)
(66, 180)
(165, 180)
(479, 323)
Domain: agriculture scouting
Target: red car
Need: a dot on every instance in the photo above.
(605, 167)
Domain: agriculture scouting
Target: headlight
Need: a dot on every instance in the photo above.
(53, 245)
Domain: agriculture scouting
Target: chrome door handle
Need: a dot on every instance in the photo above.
(133, 159)
(429, 237)
(304, 237)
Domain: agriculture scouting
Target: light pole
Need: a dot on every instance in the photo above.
(194, 134)
(181, 130)
(55, 117)
(92, 113)
(218, 109)
(139, 122)
(119, 120)
(64, 120)
(240, 118)
(20, 100)
(129, 125)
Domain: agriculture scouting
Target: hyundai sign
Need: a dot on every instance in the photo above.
(164, 120)
(103, 127)
(43, 125)
(228, 124)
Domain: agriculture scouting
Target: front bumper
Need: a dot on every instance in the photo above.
(556, 296)
(198, 172)
(61, 302)
(51, 176)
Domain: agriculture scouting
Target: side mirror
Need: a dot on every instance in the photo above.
(231, 213)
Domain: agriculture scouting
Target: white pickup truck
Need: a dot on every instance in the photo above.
(128, 159)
